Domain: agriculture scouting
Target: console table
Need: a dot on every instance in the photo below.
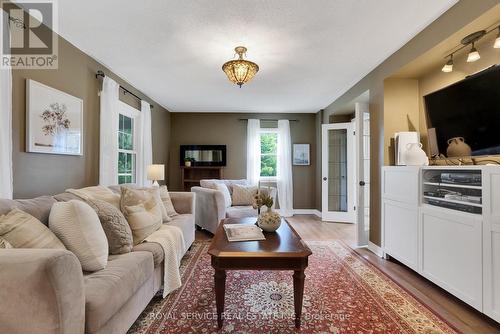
(191, 176)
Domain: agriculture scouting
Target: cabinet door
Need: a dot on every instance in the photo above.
(400, 184)
(452, 252)
(401, 232)
(491, 194)
(491, 279)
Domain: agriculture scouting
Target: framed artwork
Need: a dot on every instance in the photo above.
(54, 120)
(301, 155)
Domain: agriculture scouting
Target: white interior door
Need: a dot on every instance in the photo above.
(338, 172)
(362, 117)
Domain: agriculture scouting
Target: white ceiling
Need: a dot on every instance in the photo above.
(309, 52)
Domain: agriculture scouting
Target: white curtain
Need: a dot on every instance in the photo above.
(108, 156)
(6, 188)
(145, 145)
(284, 165)
(253, 151)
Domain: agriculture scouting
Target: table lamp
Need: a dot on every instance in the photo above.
(156, 173)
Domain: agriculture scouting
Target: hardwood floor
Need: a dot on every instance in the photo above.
(457, 313)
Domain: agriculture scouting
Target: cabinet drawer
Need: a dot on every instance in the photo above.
(401, 184)
(452, 253)
(401, 232)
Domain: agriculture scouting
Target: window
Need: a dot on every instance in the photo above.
(126, 149)
(268, 153)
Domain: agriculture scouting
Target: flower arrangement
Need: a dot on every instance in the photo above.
(269, 220)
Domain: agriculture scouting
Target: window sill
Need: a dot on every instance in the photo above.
(268, 179)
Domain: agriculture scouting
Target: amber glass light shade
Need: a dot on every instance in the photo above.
(240, 71)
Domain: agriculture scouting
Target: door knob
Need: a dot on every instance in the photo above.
(362, 183)
(324, 179)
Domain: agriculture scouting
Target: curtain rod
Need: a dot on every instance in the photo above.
(125, 90)
(267, 119)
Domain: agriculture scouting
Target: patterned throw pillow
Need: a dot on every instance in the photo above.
(79, 228)
(115, 226)
(243, 195)
(167, 202)
(142, 211)
(21, 230)
(97, 192)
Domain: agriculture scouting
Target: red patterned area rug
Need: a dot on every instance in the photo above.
(343, 294)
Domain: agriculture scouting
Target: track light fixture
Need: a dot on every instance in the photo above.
(473, 54)
(448, 67)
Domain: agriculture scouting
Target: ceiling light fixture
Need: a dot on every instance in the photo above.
(448, 67)
(240, 71)
(497, 40)
(473, 54)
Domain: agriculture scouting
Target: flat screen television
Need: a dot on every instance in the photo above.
(470, 109)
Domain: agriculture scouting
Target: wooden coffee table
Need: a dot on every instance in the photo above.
(282, 250)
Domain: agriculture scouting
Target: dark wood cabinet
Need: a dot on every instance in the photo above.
(191, 176)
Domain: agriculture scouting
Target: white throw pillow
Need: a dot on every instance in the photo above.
(167, 202)
(225, 191)
(77, 225)
(244, 195)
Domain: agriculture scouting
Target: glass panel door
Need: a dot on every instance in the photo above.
(338, 176)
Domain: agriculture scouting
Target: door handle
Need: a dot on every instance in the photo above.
(362, 183)
(324, 178)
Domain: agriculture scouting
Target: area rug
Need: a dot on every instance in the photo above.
(343, 294)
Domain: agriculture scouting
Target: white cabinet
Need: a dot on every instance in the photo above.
(451, 249)
(401, 230)
(444, 223)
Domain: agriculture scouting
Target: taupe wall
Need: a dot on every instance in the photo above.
(227, 129)
(453, 20)
(36, 174)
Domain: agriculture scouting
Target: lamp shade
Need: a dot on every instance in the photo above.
(156, 172)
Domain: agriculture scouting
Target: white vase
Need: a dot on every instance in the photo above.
(269, 221)
(415, 156)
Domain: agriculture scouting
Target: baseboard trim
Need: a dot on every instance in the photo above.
(377, 250)
(307, 212)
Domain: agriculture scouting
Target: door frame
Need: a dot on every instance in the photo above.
(338, 216)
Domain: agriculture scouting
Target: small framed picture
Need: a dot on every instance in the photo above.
(54, 120)
(301, 155)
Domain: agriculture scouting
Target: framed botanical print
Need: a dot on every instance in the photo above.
(54, 120)
(301, 155)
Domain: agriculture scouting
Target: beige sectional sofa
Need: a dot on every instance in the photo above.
(45, 290)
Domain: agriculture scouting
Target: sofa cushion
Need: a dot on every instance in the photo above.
(142, 210)
(186, 223)
(241, 212)
(107, 290)
(22, 230)
(38, 207)
(97, 192)
(152, 247)
(77, 225)
(115, 226)
(210, 183)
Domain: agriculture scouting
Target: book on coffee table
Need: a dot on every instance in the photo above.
(243, 232)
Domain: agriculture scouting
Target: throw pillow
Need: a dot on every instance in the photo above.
(167, 202)
(22, 230)
(142, 212)
(97, 192)
(38, 207)
(4, 244)
(225, 192)
(79, 228)
(115, 226)
(243, 195)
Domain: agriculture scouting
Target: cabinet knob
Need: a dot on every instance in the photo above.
(324, 178)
